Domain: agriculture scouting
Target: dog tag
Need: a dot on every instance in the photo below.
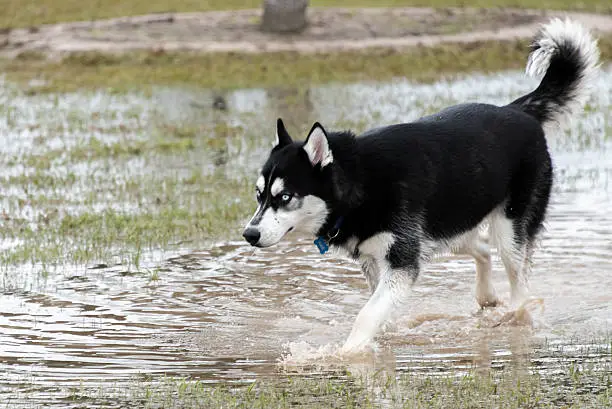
(321, 245)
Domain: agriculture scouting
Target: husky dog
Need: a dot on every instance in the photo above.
(396, 196)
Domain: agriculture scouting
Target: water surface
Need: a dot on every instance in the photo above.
(226, 312)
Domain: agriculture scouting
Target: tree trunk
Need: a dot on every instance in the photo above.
(284, 16)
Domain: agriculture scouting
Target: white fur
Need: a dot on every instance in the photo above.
(351, 245)
(313, 214)
(377, 246)
(277, 186)
(261, 184)
(390, 291)
(514, 257)
(475, 243)
(308, 218)
(553, 34)
(485, 291)
(371, 271)
(388, 287)
(372, 254)
(371, 317)
(317, 148)
(495, 229)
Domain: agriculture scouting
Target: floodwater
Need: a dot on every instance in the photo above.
(231, 313)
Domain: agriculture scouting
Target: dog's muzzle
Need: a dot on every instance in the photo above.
(251, 235)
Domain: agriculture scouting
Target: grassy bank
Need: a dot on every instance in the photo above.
(567, 383)
(88, 187)
(16, 13)
(232, 70)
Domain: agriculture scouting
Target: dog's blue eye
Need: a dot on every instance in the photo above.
(285, 198)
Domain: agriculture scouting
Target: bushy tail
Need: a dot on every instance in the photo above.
(568, 56)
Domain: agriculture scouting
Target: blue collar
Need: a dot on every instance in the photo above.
(322, 242)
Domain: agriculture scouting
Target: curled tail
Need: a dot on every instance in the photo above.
(567, 55)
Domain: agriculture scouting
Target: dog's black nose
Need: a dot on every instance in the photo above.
(251, 235)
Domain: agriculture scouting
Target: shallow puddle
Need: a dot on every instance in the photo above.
(228, 312)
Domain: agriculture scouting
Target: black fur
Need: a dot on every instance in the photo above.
(559, 85)
(440, 175)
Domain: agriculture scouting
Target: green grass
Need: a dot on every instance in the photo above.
(75, 223)
(18, 13)
(232, 70)
(571, 383)
(85, 237)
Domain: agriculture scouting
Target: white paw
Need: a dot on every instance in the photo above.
(486, 297)
(488, 300)
(355, 343)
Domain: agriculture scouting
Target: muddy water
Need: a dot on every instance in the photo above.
(231, 313)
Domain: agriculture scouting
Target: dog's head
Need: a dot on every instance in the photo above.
(294, 188)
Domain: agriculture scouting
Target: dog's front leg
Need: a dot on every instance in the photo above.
(390, 290)
(370, 270)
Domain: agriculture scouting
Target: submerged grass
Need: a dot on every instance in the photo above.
(34, 12)
(234, 70)
(572, 382)
(102, 200)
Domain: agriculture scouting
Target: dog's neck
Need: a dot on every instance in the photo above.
(346, 184)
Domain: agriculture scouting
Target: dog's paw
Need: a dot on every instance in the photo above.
(488, 301)
(352, 351)
(356, 345)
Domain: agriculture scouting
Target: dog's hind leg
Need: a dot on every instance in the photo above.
(485, 292)
(513, 252)
(475, 244)
(516, 225)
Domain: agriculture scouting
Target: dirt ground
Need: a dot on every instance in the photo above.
(328, 30)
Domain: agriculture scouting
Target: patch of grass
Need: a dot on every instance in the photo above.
(231, 70)
(154, 275)
(99, 236)
(170, 139)
(574, 383)
(16, 13)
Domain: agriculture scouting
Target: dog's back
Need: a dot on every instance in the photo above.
(454, 167)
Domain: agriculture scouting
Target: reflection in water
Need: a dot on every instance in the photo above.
(231, 312)
(294, 106)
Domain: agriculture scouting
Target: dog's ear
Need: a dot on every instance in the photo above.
(317, 146)
(282, 136)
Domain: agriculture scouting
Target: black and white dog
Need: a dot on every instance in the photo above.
(396, 196)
